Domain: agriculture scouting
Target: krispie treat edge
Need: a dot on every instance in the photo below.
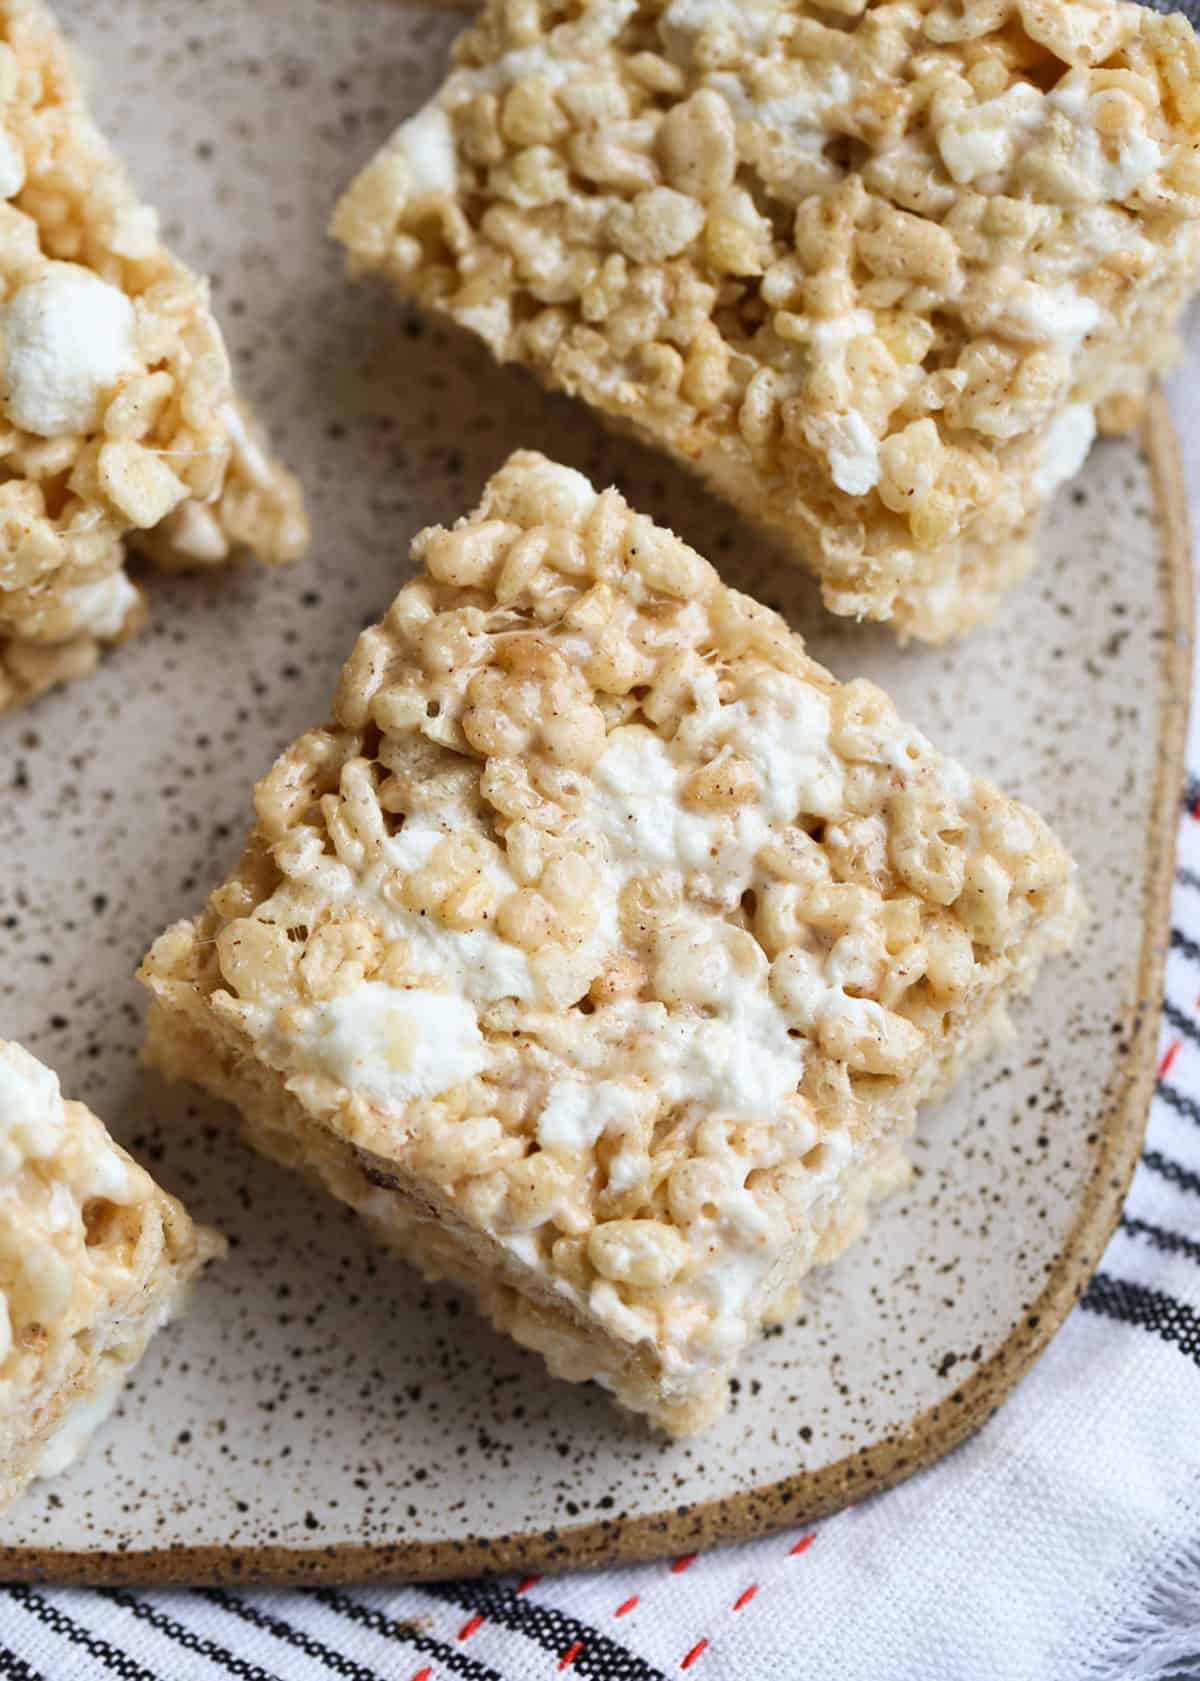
(542, 865)
(119, 420)
(878, 274)
(94, 1258)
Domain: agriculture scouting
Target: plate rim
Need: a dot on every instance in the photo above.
(806, 1496)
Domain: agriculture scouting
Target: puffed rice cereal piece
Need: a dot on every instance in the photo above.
(94, 1258)
(602, 947)
(118, 417)
(878, 271)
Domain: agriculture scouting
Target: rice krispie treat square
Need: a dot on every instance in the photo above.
(118, 417)
(94, 1258)
(877, 271)
(602, 947)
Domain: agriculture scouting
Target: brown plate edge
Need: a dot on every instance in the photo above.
(809, 1495)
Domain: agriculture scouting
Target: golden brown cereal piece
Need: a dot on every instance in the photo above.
(94, 1258)
(876, 270)
(617, 1019)
(119, 422)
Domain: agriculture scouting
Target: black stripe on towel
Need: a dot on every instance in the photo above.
(1172, 1172)
(1179, 1101)
(13, 1668)
(453, 1659)
(1184, 943)
(1190, 1671)
(115, 1661)
(1149, 1310)
(596, 1656)
(1181, 1021)
(1171, 1243)
(337, 1663)
(188, 1639)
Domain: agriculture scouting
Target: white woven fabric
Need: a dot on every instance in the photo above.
(1061, 1544)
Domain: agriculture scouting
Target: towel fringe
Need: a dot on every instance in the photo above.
(1160, 1639)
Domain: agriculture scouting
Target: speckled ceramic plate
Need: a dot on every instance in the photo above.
(323, 1414)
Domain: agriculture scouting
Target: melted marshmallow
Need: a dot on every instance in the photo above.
(799, 110)
(1105, 174)
(983, 140)
(853, 450)
(1060, 316)
(68, 338)
(77, 1427)
(32, 1122)
(475, 963)
(12, 166)
(246, 452)
(684, 21)
(102, 606)
(35, 1125)
(1065, 447)
(829, 339)
(195, 533)
(742, 1062)
(636, 801)
(854, 456)
(427, 143)
(393, 1044)
(577, 1113)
